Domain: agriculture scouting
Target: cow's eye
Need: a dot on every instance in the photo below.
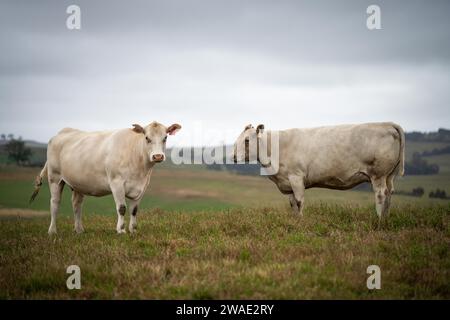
(148, 140)
(165, 139)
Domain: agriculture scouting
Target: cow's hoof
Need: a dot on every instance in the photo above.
(132, 229)
(79, 230)
(51, 231)
(121, 231)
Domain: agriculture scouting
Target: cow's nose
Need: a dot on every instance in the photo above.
(158, 157)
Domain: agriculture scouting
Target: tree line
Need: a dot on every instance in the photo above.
(16, 150)
(442, 135)
(436, 151)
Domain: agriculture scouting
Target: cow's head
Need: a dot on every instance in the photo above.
(155, 136)
(249, 136)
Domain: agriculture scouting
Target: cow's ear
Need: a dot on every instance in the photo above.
(138, 129)
(173, 129)
(249, 126)
(260, 129)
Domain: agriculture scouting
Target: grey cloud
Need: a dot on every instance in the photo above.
(225, 63)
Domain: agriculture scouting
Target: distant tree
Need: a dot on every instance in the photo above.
(441, 194)
(442, 135)
(418, 192)
(17, 151)
(3, 136)
(414, 136)
(10, 136)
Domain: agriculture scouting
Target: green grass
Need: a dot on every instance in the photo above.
(238, 253)
(16, 194)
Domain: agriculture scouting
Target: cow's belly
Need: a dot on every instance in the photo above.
(339, 182)
(88, 186)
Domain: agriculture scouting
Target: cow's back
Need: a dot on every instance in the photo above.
(71, 143)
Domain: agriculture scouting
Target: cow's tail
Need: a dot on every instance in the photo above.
(401, 159)
(38, 182)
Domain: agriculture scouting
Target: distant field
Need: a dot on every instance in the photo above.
(443, 161)
(413, 146)
(192, 188)
(171, 188)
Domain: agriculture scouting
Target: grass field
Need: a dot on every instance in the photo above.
(205, 234)
(233, 253)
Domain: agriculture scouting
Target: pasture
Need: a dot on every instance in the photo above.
(205, 234)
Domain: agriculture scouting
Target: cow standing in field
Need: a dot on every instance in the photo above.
(334, 157)
(100, 163)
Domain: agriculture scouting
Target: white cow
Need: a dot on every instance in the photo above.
(100, 163)
(334, 157)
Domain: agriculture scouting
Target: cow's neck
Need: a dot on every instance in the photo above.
(264, 157)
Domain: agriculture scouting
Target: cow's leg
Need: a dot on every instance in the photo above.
(118, 191)
(382, 197)
(133, 206)
(77, 204)
(390, 187)
(298, 187)
(390, 183)
(293, 203)
(56, 188)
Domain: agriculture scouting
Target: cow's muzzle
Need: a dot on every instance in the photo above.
(158, 158)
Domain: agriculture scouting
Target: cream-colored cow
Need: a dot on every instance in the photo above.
(100, 163)
(334, 157)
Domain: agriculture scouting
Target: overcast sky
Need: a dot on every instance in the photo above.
(220, 65)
